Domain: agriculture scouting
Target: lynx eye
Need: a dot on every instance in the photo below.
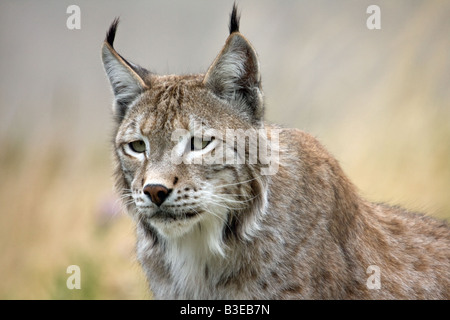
(137, 146)
(199, 143)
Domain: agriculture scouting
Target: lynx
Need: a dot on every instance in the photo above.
(229, 229)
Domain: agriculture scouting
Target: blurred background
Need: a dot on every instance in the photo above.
(379, 100)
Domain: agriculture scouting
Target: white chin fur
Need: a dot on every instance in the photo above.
(202, 233)
(173, 229)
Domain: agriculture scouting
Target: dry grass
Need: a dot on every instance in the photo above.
(57, 210)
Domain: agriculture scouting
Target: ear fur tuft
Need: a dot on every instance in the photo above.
(127, 79)
(234, 20)
(234, 75)
(111, 34)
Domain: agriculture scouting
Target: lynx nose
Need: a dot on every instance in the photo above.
(157, 193)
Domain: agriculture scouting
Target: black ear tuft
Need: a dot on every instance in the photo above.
(111, 34)
(234, 20)
(127, 79)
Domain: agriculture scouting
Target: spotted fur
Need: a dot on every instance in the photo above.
(227, 231)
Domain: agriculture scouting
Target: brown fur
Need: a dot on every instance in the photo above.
(303, 232)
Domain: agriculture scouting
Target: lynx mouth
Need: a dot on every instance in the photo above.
(169, 216)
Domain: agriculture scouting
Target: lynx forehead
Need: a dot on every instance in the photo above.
(227, 206)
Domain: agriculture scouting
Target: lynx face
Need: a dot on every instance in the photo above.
(175, 197)
(168, 130)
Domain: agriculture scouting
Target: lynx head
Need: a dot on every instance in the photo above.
(168, 126)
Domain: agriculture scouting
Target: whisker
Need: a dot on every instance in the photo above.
(229, 208)
(236, 183)
(233, 200)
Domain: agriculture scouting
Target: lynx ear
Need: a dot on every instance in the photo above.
(126, 78)
(234, 75)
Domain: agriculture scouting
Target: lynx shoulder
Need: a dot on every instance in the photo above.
(228, 206)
